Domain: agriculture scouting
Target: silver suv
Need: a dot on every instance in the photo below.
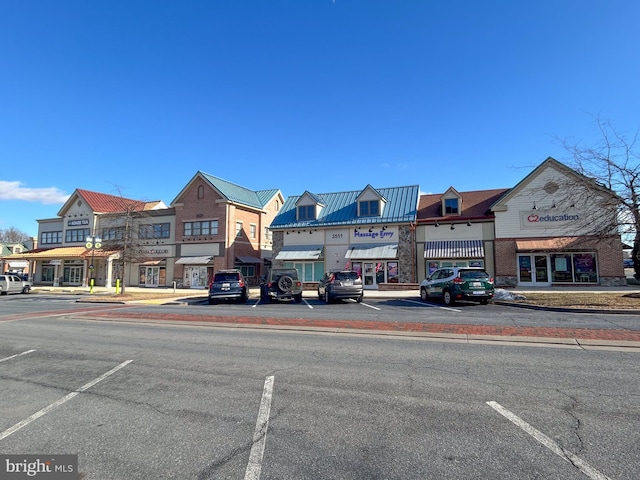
(340, 284)
(281, 284)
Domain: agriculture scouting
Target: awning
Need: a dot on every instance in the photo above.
(17, 264)
(203, 260)
(546, 244)
(154, 262)
(248, 260)
(373, 252)
(454, 249)
(300, 252)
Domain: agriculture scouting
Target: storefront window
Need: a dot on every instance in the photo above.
(392, 272)
(574, 268)
(47, 273)
(307, 271)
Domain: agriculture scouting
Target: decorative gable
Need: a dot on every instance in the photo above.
(370, 202)
(451, 202)
(308, 207)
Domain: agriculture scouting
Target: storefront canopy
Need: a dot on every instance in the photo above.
(202, 260)
(300, 252)
(373, 252)
(454, 249)
(248, 260)
(17, 264)
(545, 244)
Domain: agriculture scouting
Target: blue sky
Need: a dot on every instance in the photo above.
(134, 97)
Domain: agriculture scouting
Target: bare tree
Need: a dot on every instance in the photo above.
(613, 163)
(13, 235)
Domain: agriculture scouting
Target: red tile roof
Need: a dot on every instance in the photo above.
(104, 203)
(474, 205)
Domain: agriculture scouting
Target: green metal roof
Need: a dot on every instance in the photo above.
(238, 194)
(341, 208)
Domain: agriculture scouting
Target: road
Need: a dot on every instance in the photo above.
(185, 400)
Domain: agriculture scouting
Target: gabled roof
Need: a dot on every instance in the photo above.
(369, 188)
(105, 203)
(551, 162)
(476, 204)
(341, 208)
(234, 193)
(314, 198)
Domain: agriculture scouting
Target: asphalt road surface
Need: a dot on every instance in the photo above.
(142, 400)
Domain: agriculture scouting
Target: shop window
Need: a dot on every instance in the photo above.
(307, 271)
(574, 268)
(392, 272)
(47, 273)
(247, 270)
(585, 268)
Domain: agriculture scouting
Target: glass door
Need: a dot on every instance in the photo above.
(533, 270)
(152, 276)
(369, 275)
(72, 275)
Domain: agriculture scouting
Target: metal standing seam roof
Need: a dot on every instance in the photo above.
(238, 194)
(340, 208)
(454, 249)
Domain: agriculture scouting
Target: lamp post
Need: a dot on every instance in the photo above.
(93, 242)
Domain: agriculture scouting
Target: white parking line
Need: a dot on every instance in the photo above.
(16, 355)
(425, 304)
(370, 306)
(260, 435)
(308, 304)
(59, 402)
(583, 466)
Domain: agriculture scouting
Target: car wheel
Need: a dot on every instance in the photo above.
(327, 296)
(285, 283)
(360, 298)
(212, 301)
(484, 301)
(298, 298)
(26, 290)
(423, 294)
(319, 295)
(447, 298)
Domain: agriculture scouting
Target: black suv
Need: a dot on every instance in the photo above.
(228, 285)
(281, 284)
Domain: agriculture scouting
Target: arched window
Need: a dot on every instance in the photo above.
(201, 191)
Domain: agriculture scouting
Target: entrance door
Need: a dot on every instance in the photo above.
(533, 270)
(369, 275)
(72, 275)
(152, 276)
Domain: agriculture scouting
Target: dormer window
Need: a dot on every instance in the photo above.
(451, 206)
(306, 212)
(369, 208)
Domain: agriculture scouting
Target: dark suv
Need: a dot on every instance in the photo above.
(340, 284)
(458, 283)
(228, 285)
(281, 284)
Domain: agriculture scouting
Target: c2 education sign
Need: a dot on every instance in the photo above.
(547, 220)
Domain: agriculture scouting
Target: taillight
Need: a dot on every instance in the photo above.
(458, 280)
(298, 283)
(270, 284)
(332, 278)
(491, 280)
(241, 283)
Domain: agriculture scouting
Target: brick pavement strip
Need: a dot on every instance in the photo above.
(429, 328)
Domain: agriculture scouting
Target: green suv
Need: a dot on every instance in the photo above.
(458, 283)
(281, 284)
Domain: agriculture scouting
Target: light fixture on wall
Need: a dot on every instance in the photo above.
(468, 223)
(436, 225)
(370, 229)
(554, 205)
(534, 206)
(384, 228)
(452, 227)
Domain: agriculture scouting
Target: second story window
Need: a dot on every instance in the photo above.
(156, 230)
(77, 235)
(114, 233)
(238, 229)
(207, 227)
(252, 230)
(307, 212)
(369, 208)
(451, 206)
(50, 237)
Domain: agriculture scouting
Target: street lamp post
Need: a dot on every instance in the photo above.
(93, 242)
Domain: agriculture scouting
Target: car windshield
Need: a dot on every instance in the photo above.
(474, 275)
(346, 276)
(226, 277)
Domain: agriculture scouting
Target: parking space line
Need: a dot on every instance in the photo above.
(260, 435)
(308, 304)
(16, 355)
(580, 464)
(431, 305)
(60, 401)
(370, 306)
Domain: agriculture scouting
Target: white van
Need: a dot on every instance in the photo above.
(13, 284)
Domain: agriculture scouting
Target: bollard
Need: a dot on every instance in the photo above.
(91, 285)
(117, 286)
(174, 286)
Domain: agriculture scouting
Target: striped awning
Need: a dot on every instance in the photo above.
(300, 252)
(202, 260)
(454, 249)
(373, 252)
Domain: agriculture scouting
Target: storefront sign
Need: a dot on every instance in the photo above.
(548, 220)
(378, 234)
(76, 223)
